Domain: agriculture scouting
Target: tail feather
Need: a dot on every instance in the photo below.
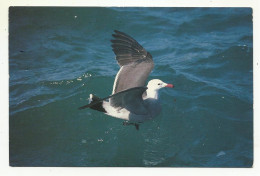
(94, 103)
(93, 98)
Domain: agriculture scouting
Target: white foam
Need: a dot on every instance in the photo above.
(221, 153)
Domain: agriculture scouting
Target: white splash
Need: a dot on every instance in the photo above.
(221, 153)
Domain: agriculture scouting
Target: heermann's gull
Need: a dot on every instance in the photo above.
(130, 99)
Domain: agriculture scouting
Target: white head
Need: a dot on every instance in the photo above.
(156, 84)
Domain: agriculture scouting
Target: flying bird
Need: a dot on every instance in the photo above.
(131, 100)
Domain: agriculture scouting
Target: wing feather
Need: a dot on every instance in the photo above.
(135, 62)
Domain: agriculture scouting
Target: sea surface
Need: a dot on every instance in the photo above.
(58, 56)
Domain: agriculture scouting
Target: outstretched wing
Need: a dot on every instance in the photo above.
(135, 62)
(130, 99)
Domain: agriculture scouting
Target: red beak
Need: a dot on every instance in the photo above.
(170, 85)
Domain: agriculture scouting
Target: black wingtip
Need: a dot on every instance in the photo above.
(83, 107)
(122, 34)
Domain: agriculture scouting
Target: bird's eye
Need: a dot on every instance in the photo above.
(159, 84)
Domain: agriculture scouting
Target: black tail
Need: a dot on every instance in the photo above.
(95, 103)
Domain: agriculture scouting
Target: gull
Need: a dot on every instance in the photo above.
(131, 100)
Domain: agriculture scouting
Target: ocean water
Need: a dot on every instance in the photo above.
(58, 56)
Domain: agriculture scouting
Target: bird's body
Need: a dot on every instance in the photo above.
(127, 115)
(130, 99)
(151, 108)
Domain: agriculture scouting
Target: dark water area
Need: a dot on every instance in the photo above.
(58, 56)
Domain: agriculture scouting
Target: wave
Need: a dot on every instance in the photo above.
(205, 24)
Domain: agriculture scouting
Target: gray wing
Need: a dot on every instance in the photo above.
(135, 62)
(130, 99)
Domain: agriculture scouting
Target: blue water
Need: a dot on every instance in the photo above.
(58, 56)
